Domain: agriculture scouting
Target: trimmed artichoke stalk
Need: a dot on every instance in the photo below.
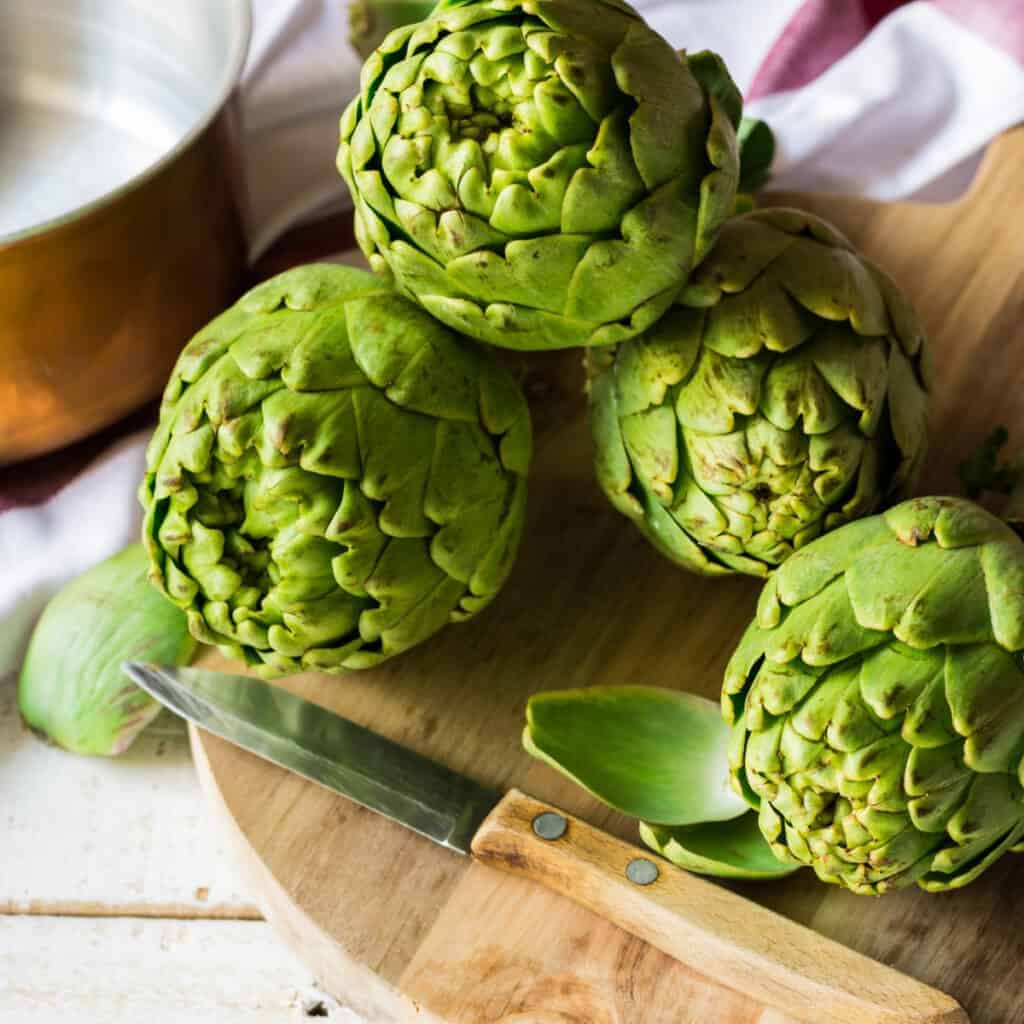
(785, 394)
(370, 21)
(335, 475)
(877, 700)
(540, 174)
(71, 690)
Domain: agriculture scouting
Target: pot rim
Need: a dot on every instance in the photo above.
(231, 74)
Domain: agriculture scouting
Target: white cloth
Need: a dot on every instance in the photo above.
(43, 547)
(904, 113)
(300, 74)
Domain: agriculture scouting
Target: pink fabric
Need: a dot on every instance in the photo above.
(999, 22)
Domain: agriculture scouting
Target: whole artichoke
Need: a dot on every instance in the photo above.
(878, 700)
(334, 477)
(784, 395)
(539, 174)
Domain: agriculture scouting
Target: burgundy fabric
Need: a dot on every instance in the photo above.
(876, 10)
(820, 33)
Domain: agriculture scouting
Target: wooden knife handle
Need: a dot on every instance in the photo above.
(730, 939)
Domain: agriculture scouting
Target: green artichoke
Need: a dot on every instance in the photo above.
(784, 395)
(71, 690)
(878, 700)
(334, 477)
(540, 174)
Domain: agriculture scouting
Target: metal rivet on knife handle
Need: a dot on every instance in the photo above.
(642, 871)
(550, 825)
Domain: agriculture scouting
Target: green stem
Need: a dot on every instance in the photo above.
(985, 470)
(1014, 511)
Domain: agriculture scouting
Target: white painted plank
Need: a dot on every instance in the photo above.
(126, 835)
(55, 970)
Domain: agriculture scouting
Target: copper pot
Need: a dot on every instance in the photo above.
(120, 232)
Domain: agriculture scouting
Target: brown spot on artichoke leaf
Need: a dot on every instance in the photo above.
(202, 345)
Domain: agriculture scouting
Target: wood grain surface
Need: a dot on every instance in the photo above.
(722, 935)
(404, 930)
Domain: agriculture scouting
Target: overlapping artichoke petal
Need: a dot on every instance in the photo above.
(335, 475)
(539, 173)
(899, 757)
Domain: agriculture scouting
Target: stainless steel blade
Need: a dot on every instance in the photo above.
(308, 739)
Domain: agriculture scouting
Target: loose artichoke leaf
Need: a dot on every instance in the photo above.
(723, 849)
(654, 754)
(756, 141)
(71, 690)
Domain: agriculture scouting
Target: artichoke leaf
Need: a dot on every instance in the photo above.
(654, 754)
(756, 142)
(722, 849)
(71, 690)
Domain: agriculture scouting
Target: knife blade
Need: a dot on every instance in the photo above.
(311, 741)
(734, 941)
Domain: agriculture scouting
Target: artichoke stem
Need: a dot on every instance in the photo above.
(1014, 511)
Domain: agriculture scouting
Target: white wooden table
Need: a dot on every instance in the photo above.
(118, 903)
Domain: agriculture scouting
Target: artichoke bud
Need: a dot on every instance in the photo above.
(539, 175)
(784, 395)
(71, 689)
(877, 700)
(335, 475)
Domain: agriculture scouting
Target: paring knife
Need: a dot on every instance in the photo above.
(737, 943)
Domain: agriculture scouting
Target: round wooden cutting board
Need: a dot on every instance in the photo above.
(402, 929)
